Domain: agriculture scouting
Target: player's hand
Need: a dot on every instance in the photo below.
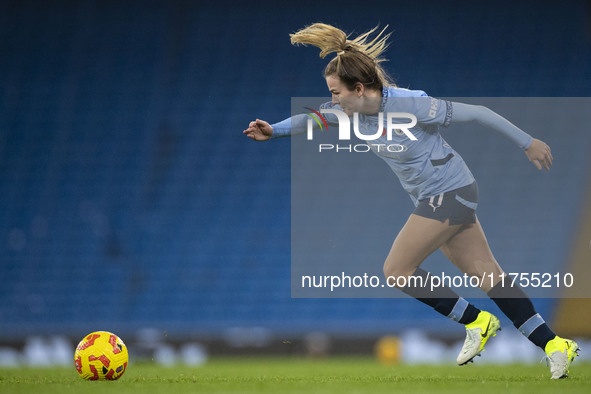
(259, 130)
(540, 154)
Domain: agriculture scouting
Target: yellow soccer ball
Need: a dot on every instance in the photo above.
(101, 355)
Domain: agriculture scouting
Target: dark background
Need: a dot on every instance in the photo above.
(129, 197)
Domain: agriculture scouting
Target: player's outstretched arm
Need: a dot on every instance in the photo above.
(259, 130)
(536, 151)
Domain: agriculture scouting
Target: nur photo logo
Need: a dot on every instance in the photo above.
(344, 123)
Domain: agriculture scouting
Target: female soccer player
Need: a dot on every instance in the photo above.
(439, 182)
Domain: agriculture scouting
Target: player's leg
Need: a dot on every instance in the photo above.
(420, 237)
(468, 249)
(470, 252)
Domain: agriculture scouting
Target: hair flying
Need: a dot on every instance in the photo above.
(357, 60)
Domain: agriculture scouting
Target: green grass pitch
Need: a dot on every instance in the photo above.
(297, 375)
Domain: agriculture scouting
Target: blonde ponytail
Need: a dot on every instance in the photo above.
(357, 60)
(326, 37)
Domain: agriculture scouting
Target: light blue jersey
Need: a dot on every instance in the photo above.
(428, 166)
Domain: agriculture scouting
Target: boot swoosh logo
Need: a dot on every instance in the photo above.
(483, 335)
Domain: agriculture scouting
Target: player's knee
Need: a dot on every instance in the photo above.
(389, 269)
(397, 273)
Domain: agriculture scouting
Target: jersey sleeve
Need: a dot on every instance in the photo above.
(291, 126)
(298, 124)
(489, 118)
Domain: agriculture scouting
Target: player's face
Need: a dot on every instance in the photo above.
(349, 100)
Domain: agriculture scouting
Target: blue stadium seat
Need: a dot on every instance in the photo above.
(120, 127)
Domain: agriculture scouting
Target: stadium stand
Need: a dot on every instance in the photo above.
(131, 199)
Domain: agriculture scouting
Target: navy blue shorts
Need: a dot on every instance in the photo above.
(459, 206)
